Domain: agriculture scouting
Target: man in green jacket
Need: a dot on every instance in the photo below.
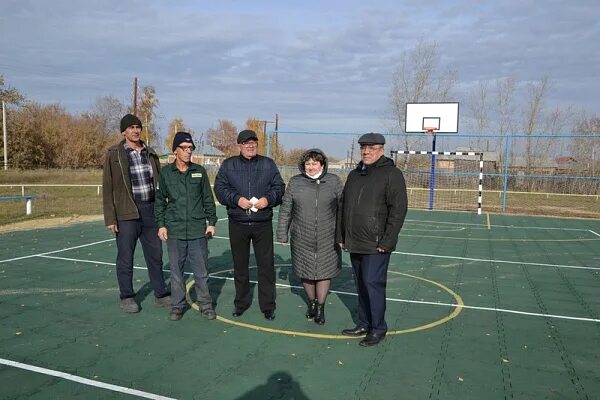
(184, 204)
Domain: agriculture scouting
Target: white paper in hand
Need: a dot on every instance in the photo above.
(253, 200)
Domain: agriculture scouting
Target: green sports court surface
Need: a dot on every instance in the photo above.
(479, 307)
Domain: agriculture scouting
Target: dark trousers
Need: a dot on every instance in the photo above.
(370, 277)
(195, 253)
(261, 235)
(144, 229)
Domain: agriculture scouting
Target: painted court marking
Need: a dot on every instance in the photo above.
(457, 310)
(47, 255)
(85, 381)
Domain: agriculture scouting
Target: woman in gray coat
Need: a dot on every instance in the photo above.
(308, 212)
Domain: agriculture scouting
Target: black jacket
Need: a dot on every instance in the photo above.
(258, 177)
(374, 207)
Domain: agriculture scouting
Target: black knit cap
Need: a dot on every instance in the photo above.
(129, 120)
(371, 138)
(183, 137)
(246, 135)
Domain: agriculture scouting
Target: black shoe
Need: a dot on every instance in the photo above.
(357, 331)
(320, 315)
(372, 339)
(176, 314)
(312, 309)
(237, 312)
(269, 315)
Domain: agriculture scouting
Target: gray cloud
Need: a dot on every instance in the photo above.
(318, 65)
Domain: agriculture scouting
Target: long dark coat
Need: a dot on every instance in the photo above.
(308, 212)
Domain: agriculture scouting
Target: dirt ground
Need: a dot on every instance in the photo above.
(49, 222)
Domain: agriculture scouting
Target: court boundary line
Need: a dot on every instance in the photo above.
(55, 251)
(85, 381)
(498, 226)
(489, 260)
(597, 234)
(215, 275)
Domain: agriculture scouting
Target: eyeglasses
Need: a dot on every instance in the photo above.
(186, 148)
(250, 143)
(371, 147)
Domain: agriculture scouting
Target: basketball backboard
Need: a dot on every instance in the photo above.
(441, 117)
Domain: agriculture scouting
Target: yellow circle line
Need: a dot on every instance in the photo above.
(503, 239)
(454, 314)
(457, 310)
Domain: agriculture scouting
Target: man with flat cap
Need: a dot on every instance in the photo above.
(250, 185)
(373, 212)
(129, 181)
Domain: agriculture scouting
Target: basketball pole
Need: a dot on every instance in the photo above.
(432, 173)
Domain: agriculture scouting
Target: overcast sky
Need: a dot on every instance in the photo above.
(321, 65)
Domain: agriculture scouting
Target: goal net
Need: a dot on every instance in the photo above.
(442, 180)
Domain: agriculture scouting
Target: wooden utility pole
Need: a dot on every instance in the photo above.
(135, 88)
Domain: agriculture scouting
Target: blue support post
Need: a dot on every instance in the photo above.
(432, 175)
(505, 172)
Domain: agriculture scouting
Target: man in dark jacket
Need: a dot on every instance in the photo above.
(250, 185)
(374, 208)
(129, 181)
(184, 204)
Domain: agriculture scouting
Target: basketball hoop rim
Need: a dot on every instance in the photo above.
(430, 131)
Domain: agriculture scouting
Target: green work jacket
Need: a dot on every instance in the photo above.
(184, 202)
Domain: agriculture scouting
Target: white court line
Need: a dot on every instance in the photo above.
(498, 261)
(395, 252)
(433, 303)
(504, 310)
(55, 251)
(78, 260)
(595, 233)
(85, 381)
(498, 226)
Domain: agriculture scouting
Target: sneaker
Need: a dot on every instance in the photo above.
(176, 314)
(209, 313)
(163, 301)
(129, 305)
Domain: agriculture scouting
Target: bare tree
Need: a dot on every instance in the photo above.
(587, 151)
(108, 111)
(505, 91)
(536, 91)
(416, 79)
(479, 107)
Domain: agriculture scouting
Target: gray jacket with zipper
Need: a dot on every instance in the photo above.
(117, 195)
(308, 212)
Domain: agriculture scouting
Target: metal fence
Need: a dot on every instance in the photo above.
(540, 174)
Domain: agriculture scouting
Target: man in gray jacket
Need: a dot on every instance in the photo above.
(129, 182)
(373, 212)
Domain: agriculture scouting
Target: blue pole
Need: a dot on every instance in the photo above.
(432, 175)
(505, 172)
